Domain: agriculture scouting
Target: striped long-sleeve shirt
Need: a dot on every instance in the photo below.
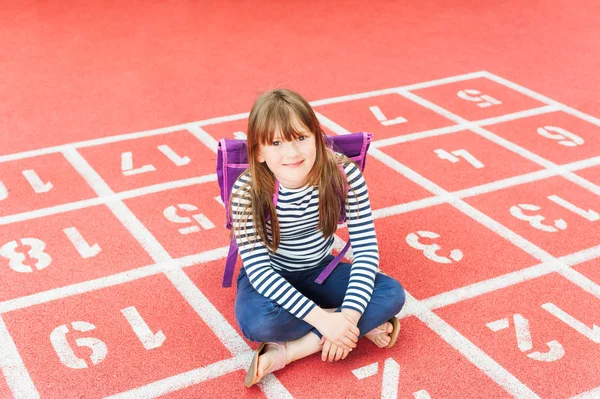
(302, 245)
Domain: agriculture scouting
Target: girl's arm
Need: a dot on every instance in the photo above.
(364, 244)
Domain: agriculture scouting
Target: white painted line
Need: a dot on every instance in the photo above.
(541, 98)
(460, 127)
(485, 287)
(417, 136)
(591, 394)
(458, 203)
(408, 207)
(222, 119)
(53, 210)
(204, 137)
(517, 115)
(112, 280)
(155, 188)
(16, 375)
(187, 379)
(502, 142)
(207, 312)
(474, 354)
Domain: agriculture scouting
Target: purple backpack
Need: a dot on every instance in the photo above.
(232, 161)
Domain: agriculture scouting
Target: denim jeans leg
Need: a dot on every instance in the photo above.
(262, 319)
(386, 301)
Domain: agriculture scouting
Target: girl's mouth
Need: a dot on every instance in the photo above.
(295, 165)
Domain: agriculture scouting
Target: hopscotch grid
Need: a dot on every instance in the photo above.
(552, 106)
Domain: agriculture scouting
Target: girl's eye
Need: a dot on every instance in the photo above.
(275, 143)
(301, 138)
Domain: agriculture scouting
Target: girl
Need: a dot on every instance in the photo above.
(284, 249)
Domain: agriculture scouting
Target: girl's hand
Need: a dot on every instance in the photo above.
(352, 314)
(342, 332)
(331, 351)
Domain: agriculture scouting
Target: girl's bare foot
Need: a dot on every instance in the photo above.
(381, 339)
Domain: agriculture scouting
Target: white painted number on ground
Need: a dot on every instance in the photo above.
(453, 157)
(127, 165)
(67, 356)
(17, 259)
(536, 220)
(171, 214)
(563, 136)
(429, 250)
(127, 161)
(149, 339)
(84, 249)
(240, 136)
(524, 340)
(219, 200)
(173, 156)
(391, 379)
(3, 191)
(58, 338)
(482, 100)
(34, 180)
(36, 183)
(383, 119)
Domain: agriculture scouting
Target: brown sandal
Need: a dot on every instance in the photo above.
(278, 364)
(393, 335)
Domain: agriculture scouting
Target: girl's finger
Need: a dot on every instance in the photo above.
(332, 352)
(325, 350)
(339, 354)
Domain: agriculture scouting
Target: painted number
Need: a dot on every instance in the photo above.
(482, 100)
(16, 260)
(240, 135)
(17, 255)
(67, 356)
(453, 157)
(391, 379)
(127, 165)
(430, 250)
(383, 119)
(171, 214)
(34, 181)
(84, 249)
(536, 221)
(58, 338)
(525, 342)
(149, 339)
(127, 161)
(3, 191)
(563, 136)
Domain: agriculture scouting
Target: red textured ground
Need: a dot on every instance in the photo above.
(121, 294)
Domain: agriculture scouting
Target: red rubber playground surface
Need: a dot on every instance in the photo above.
(484, 176)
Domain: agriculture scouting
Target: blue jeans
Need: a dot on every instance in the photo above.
(263, 320)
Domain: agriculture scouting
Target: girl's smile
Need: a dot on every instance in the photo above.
(294, 165)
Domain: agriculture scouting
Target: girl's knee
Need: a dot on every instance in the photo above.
(258, 324)
(394, 294)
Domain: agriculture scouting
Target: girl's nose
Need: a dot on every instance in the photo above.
(291, 149)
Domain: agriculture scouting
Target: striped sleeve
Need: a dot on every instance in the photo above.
(257, 261)
(363, 240)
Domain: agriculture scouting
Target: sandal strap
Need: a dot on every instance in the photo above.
(281, 359)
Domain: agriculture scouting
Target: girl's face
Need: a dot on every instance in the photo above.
(290, 161)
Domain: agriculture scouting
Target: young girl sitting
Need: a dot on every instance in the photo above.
(284, 249)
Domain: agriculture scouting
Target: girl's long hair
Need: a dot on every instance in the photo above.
(277, 109)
